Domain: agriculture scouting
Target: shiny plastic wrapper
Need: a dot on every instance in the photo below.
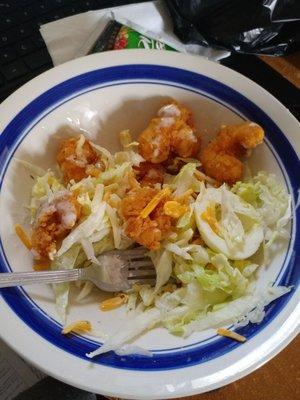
(269, 27)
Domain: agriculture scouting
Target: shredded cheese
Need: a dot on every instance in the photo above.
(231, 335)
(153, 203)
(23, 236)
(114, 302)
(41, 267)
(174, 209)
(209, 215)
(78, 327)
(184, 197)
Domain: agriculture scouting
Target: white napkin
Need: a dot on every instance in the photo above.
(68, 38)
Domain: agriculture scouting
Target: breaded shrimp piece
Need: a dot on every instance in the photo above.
(77, 159)
(154, 141)
(149, 174)
(163, 221)
(147, 231)
(144, 231)
(53, 222)
(171, 131)
(184, 142)
(136, 201)
(220, 158)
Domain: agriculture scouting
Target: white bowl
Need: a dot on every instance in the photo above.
(103, 94)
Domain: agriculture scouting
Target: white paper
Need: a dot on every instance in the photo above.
(66, 37)
(15, 374)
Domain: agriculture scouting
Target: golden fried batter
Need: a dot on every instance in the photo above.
(220, 158)
(172, 131)
(147, 231)
(149, 174)
(77, 164)
(53, 222)
(154, 141)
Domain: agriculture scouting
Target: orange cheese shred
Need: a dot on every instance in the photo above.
(23, 236)
(41, 266)
(77, 327)
(153, 203)
(113, 302)
(231, 335)
(174, 209)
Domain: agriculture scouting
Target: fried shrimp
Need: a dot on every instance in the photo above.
(221, 157)
(77, 159)
(155, 140)
(149, 174)
(54, 220)
(172, 131)
(147, 231)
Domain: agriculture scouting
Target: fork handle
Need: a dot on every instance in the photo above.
(8, 279)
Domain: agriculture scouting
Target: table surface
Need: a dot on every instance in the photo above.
(279, 379)
(288, 66)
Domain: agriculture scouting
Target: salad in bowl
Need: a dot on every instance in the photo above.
(208, 223)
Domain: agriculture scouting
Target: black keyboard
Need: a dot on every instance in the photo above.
(23, 53)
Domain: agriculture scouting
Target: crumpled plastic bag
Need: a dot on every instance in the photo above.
(244, 26)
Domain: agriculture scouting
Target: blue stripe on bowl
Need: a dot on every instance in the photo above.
(12, 136)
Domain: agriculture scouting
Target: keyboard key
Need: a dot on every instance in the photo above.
(27, 13)
(26, 30)
(37, 59)
(73, 9)
(7, 22)
(8, 37)
(24, 47)
(42, 7)
(7, 54)
(89, 5)
(38, 40)
(6, 7)
(25, 2)
(14, 70)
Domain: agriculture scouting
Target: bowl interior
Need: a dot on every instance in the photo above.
(102, 114)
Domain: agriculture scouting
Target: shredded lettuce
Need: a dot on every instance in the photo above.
(236, 232)
(44, 187)
(61, 290)
(32, 168)
(205, 268)
(116, 226)
(115, 174)
(162, 260)
(236, 309)
(93, 223)
(106, 157)
(266, 195)
(183, 320)
(272, 202)
(186, 180)
(130, 330)
(222, 276)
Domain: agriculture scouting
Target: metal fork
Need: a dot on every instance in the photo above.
(117, 270)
